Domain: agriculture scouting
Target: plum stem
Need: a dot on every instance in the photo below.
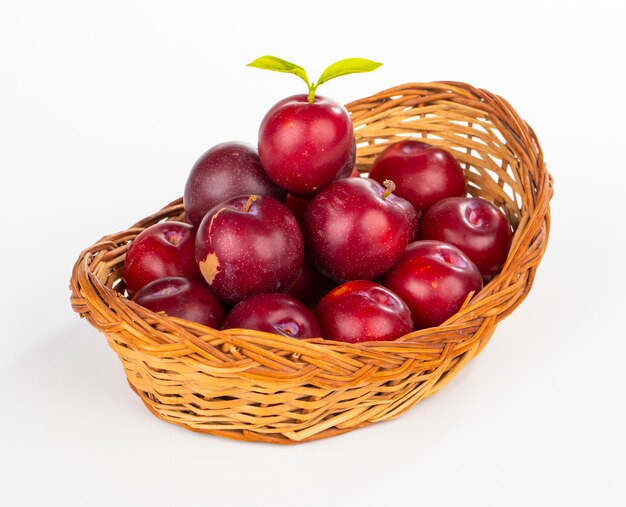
(311, 96)
(390, 186)
(249, 202)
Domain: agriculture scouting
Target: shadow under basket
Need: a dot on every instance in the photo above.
(257, 386)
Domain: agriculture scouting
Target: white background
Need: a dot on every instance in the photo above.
(104, 107)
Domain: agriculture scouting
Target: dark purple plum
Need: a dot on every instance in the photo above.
(356, 229)
(274, 313)
(249, 245)
(475, 226)
(161, 250)
(423, 174)
(363, 311)
(184, 298)
(226, 170)
(433, 278)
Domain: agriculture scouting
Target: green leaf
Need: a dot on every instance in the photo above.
(268, 62)
(347, 66)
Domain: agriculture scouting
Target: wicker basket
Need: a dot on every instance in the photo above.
(258, 386)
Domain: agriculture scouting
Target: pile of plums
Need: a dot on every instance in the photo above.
(292, 240)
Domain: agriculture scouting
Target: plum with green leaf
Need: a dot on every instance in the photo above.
(306, 141)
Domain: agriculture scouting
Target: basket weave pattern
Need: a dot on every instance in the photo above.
(258, 386)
